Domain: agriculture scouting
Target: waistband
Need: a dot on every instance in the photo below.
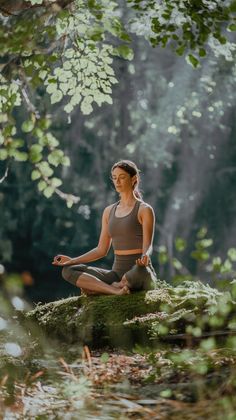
(123, 263)
(127, 252)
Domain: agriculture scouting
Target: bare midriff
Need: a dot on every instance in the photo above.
(128, 251)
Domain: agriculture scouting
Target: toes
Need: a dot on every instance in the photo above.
(126, 290)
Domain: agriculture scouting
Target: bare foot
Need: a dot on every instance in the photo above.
(120, 284)
(86, 292)
(116, 284)
(124, 291)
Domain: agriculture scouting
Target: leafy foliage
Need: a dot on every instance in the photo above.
(81, 79)
(186, 26)
(63, 51)
(219, 271)
(66, 55)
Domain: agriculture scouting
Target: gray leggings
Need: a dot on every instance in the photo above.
(139, 277)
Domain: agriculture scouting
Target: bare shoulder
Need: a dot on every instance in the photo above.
(145, 210)
(145, 207)
(107, 210)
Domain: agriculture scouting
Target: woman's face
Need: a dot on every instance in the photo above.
(122, 180)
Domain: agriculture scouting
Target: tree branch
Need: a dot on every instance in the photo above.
(66, 196)
(5, 174)
(14, 8)
(30, 106)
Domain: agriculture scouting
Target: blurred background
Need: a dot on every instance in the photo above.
(178, 125)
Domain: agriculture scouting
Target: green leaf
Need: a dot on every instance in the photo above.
(75, 100)
(124, 51)
(202, 52)
(177, 264)
(200, 255)
(51, 88)
(202, 232)
(104, 357)
(45, 169)
(223, 40)
(29, 70)
(208, 344)
(56, 182)
(64, 88)
(17, 143)
(193, 60)
(44, 123)
(51, 140)
(35, 174)
(65, 161)
(67, 65)
(43, 74)
(200, 367)
(48, 191)
(36, 148)
(232, 254)
(69, 203)
(166, 393)
(232, 27)
(68, 108)
(162, 255)
(162, 329)
(86, 106)
(216, 263)
(55, 157)
(69, 53)
(35, 154)
(3, 154)
(20, 156)
(56, 97)
(42, 185)
(27, 126)
(36, 1)
(226, 267)
(203, 243)
(180, 244)
(180, 50)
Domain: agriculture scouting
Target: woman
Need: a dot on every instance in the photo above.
(129, 226)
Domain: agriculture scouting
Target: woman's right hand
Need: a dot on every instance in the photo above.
(61, 260)
(143, 261)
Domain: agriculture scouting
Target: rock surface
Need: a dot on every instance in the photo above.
(123, 321)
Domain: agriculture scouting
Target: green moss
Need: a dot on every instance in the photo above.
(126, 320)
(92, 320)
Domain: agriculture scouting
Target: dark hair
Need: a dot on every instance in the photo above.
(132, 169)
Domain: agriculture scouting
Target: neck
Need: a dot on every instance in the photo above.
(127, 199)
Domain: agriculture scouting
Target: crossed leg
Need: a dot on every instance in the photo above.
(120, 284)
(91, 285)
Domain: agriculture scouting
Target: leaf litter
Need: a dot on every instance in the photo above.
(109, 385)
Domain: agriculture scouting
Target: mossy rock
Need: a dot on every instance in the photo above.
(96, 321)
(123, 321)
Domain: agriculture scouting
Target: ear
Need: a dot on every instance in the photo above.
(134, 180)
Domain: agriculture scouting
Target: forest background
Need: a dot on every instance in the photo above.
(155, 84)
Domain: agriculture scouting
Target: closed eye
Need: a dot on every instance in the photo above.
(115, 179)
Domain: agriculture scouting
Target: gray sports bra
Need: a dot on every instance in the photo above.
(126, 232)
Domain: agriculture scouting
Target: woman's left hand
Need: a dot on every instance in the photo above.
(143, 261)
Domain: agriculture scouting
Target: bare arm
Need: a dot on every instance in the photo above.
(147, 218)
(100, 251)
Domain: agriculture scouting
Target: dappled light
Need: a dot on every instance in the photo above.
(147, 329)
